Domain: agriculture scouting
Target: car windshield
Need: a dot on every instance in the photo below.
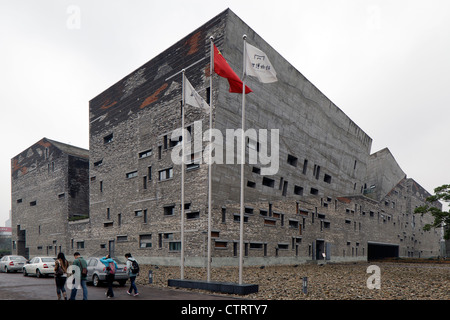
(48, 260)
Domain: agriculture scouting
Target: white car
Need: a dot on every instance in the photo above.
(40, 266)
(12, 263)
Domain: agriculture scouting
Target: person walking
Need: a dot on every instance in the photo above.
(111, 267)
(133, 271)
(61, 265)
(82, 265)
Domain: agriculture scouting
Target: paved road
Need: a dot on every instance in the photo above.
(14, 286)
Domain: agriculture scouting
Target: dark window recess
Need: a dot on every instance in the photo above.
(251, 184)
(298, 190)
(293, 224)
(305, 166)
(145, 154)
(224, 215)
(256, 170)
(316, 172)
(327, 178)
(33, 203)
(169, 210)
(292, 160)
(268, 182)
(208, 95)
(108, 139)
(132, 174)
(165, 142)
(285, 186)
(98, 163)
(248, 210)
(193, 215)
(314, 191)
(254, 245)
(144, 182)
(237, 218)
(122, 238)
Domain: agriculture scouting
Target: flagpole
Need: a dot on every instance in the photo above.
(241, 231)
(211, 66)
(182, 175)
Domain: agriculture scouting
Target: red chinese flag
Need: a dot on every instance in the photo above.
(223, 69)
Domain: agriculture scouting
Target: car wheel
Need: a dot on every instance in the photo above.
(38, 273)
(6, 269)
(25, 272)
(95, 280)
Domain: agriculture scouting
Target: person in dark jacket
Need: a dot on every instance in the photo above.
(133, 276)
(61, 265)
(111, 267)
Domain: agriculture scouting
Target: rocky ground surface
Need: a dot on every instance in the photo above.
(399, 281)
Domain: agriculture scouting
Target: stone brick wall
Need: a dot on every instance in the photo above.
(44, 198)
(317, 203)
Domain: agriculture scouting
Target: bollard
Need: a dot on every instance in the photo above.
(305, 285)
(150, 276)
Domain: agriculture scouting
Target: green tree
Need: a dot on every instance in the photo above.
(441, 218)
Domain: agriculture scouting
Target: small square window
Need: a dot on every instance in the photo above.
(298, 190)
(169, 210)
(108, 139)
(292, 160)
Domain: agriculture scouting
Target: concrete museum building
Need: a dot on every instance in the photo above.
(331, 198)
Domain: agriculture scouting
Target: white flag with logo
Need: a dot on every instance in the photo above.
(259, 66)
(192, 97)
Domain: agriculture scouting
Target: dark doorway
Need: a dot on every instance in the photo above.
(320, 249)
(111, 248)
(21, 242)
(377, 251)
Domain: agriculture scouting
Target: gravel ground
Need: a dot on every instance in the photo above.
(399, 281)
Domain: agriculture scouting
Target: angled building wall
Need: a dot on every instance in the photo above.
(48, 188)
(325, 166)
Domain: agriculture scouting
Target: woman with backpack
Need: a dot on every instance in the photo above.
(133, 271)
(111, 267)
(61, 265)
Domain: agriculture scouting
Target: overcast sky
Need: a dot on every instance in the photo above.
(386, 64)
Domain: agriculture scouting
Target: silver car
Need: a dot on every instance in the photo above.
(12, 263)
(97, 272)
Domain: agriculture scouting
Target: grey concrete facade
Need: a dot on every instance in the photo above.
(330, 196)
(48, 188)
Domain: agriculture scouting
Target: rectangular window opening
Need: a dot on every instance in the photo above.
(108, 139)
(268, 182)
(292, 160)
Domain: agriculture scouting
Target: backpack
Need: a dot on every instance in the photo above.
(134, 267)
(111, 268)
(84, 271)
(59, 269)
